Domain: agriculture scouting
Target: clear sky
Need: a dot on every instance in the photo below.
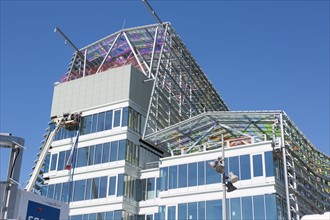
(260, 55)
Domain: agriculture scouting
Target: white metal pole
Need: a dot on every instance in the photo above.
(224, 206)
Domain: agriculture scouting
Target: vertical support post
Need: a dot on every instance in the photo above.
(285, 170)
(224, 205)
(85, 60)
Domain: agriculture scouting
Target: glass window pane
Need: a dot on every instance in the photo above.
(164, 178)
(173, 177)
(171, 212)
(88, 189)
(117, 214)
(151, 188)
(211, 175)
(79, 189)
(108, 120)
(258, 207)
(122, 150)
(270, 206)
(92, 216)
(245, 168)
(98, 154)
(213, 209)
(114, 150)
(95, 188)
(192, 210)
(124, 117)
(120, 185)
(201, 210)
(112, 186)
(234, 165)
(149, 217)
(201, 173)
(106, 152)
(100, 121)
(58, 188)
(82, 156)
(54, 161)
(51, 191)
(116, 118)
(257, 165)
(46, 164)
(182, 175)
(91, 155)
(157, 186)
(77, 217)
(44, 190)
(247, 207)
(192, 174)
(182, 211)
(235, 206)
(109, 215)
(61, 161)
(269, 163)
(65, 192)
(94, 123)
(103, 187)
(86, 125)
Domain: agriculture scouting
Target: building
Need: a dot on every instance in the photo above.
(151, 122)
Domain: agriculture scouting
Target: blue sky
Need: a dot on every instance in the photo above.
(260, 55)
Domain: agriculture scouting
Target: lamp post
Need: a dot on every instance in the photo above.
(219, 166)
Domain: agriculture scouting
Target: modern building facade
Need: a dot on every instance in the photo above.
(151, 122)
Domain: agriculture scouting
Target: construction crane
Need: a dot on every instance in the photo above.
(67, 121)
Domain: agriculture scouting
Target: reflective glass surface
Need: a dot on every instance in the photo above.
(269, 163)
(257, 165)
(258, 207)
(182, 175)
(192, 174)
(245, 167)
(201, 173)
(173, 177)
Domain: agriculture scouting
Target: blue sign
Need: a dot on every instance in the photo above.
(37, 211)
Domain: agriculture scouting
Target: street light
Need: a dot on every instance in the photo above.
(227, 181)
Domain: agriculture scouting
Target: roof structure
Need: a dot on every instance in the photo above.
(181, 89)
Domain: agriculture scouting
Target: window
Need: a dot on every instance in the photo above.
(245, 168)
(103, 186)
(114, 150)
(82, 156)
(213, 209)
(234, 165)
(88, 189)
(235, 206)
(101, 121)
(116, 118)
(182, 175)
(271, 212)
(112, 186)
(94, 123)
(98, 154)
(257, 165)
(57, 193)
(269, 163)
(201, 173)
(122, 150)
(79, 188)
(95, 188)
(258, 207)
(192, 174)
(65, 192)
(46, 164)
(91, 155)
(151, 188)
(173, 177)
(124, 117)
(164, 178)
(120, 185)
(182, 211)
(50, 193)
(108, 120)
(61, 161)
(54, 161)
(106, 152)
(192, 210)
(247, 208)
(86, 125)
(201, 210)
(171, 213)
(212, 175)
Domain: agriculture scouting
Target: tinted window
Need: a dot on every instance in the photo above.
(114, 150)
(82, 156)
(201, 173)
(57, 193)
(171, 213)
(173, 177)
(201, 210)
(86, 124)
(112, 186)
(235, 206)
(106, 152)
(103, 187)
(101, 121)
(61, 161)
(116, 119)
(65, 192)
(213, 209)
(88, 189)
(212, 175)
(54, 161)
(245, 167)
(234, 165)
(182, 211)
(50, 191)
(120, 184)
(91, 155)
(95, 188)
(257, 165)
(98, 154)
(269, 163)
(46, 164)
(79, 189)
(192, 210)
(247, 207)
(192, 174)
(182, 175)
(108, 120)
(151, 188)
(124, 117)
(164, 178)
(258, 207)
(122, 150)
(94, 123)
(270, 206)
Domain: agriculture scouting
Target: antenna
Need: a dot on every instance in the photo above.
(67, 40)
(152, 11)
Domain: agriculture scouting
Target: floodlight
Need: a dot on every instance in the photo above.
(232, 177)
(230, 187)
(213, 164)
(218, 166)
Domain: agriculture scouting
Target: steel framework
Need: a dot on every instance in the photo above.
(180, 88)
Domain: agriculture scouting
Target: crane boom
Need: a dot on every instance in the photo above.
(68, 121)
